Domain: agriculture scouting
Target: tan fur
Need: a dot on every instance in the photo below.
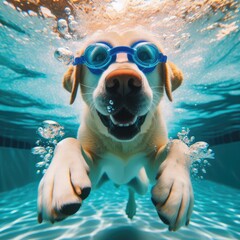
(171, 74)
(97, 156)
(67, 79)
(173, 78)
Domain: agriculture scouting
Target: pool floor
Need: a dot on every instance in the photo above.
(216, 215)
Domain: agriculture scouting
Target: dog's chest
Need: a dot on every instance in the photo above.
(121, 170)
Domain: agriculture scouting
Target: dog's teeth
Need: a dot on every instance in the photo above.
(123, 124)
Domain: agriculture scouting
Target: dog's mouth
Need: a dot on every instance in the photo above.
(123, 125)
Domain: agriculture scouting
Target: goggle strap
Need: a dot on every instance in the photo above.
(162, 58)
(78, 60)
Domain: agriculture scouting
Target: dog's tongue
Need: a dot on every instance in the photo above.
(124, 117)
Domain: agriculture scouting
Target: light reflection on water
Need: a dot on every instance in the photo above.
(201, 37)
(216, 215)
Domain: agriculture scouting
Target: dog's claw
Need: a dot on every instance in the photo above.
(70, 208)
(154, 202)
(85, 192)
(165, 220)
(40, 219)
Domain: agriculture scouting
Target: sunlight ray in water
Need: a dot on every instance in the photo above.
(188, 32)
(102, 215)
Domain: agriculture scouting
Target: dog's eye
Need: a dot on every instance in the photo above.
(97, 56)
(146, 54)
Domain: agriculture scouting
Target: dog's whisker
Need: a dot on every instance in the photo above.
(92, 107)
(156, 87)
(84, 85)
(84, 94)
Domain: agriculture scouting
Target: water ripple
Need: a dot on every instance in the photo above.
(215, 216)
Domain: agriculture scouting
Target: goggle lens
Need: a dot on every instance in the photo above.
(146, 54)
(97, 55)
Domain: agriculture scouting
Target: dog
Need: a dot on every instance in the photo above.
(122, 136)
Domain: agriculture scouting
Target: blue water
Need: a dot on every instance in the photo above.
(31, 89)
(205, 45)
(216, 215)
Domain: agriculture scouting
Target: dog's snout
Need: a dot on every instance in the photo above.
(124, 82)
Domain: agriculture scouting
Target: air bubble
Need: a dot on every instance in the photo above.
(73, 25)
(38, 150)
(67, 36)
(199, 153)
(110, 109)
(50, 133)
(70, 18)
(194, 170)
(40, 164)
(67, 10)
(61, 133)
(47, 157)
(64, 55)
(62, 26)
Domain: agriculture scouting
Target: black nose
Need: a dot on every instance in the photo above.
(124, 82)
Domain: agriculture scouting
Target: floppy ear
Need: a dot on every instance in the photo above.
(71, 81)
(172, 78)
(67, 79)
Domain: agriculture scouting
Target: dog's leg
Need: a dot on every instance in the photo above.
(131, 204)
(140, 185)
(65, 183)
(172, 194)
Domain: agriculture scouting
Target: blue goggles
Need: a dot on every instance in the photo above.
(98, 56)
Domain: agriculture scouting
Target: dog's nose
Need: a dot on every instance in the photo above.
(124, 82)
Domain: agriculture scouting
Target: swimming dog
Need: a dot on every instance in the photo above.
(122, 77)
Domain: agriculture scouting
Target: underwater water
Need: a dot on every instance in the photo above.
(102, 216)
(201, 37)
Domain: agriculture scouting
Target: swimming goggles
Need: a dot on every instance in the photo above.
(98, 56)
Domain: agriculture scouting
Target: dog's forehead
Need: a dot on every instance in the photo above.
(123, 38)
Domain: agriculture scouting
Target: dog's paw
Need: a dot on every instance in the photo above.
(62, 190)
(131, 208)
(173, 195)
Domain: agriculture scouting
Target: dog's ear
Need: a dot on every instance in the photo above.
(172, 78)
(67, 79)
(71, 80)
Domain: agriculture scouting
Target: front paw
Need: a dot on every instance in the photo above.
(172, 196)
(62, 190)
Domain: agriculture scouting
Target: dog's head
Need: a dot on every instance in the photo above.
(122, 94)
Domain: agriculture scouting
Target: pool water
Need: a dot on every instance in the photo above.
(201, 37)
(102, 216)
